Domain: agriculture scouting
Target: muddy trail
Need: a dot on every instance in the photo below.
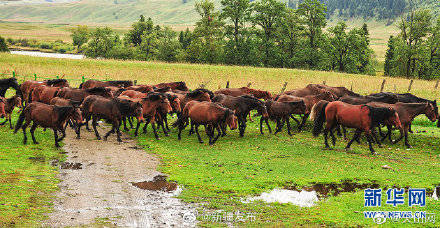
(115, 183)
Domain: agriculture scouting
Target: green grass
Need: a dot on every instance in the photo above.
(220, 176)
(27, 180)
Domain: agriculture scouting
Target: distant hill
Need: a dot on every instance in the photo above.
(174, 12)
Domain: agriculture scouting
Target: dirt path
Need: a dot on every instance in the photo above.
(101, 189)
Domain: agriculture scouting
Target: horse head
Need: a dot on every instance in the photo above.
(175, 103)
(430, 112)
(394, 118)
(231, 119)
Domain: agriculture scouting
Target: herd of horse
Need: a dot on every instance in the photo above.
(54, 104)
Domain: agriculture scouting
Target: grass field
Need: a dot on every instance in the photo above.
(219, 177)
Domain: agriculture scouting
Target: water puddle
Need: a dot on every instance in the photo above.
(300, 198)
(37, 159)
(334, 189)
(159, 183)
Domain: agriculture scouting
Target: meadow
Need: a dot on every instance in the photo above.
(219, 177)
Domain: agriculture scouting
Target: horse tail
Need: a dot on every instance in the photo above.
(20, 121)
(319, 117)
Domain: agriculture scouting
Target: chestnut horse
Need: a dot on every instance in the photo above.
(133, 94)
(27, 86)
(110, 109)
(94, 83)
(362, 117)
(211, 115)
(46, 116)
(235, 92)
(338, 91)
(10, 104)
(195, 95)
(141, 88)
(407, 112)
(44, 93)
(242, 106)
(64, 102)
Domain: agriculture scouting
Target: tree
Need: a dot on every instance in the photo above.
(3, 46)
(238, 13)
(101, 42)
(134, 35)
(208, 34)
(291, 31)
(389, 56)
(80, 35)
(313, 14)
(268, 15)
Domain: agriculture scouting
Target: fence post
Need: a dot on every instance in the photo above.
(13, 74)
(135, 82)
(323, 82)
(227, 84)
(249, 84)
(436, 84)
(83, 79)
(395, 89)
(383, 85)
(57, 77)
(410, 85)
(351, 87)
(35, 76)
(284, 88)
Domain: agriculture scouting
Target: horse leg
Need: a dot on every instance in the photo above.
(144, 129)
(373, 132)
(261, 125)
(409, 128)
(338, 131)
(78, 131)
(25, 125)
(34, 126)
(196, 127)
(10, 121)
(268, 126)
(303, 122)
(55, 134)
(333, 136)
(124, 120)
(357, 134)
(118, 133)
(293, 118)
(250, 118)
(166, 123)
(369, 139)
(153, 125)
(218, 135)
(280, 125)
(88, 117)
(130, 121)
(162, 124)
(288, 126)
(223, 128)
(325, 139)
(406, 136)
(94, 122)
(3, 123)
(191, 131)
(63, 135)
(242, 125)
(109, 132)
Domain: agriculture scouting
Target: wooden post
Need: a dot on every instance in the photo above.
(227, 84)
(249, 84)
(35, 76)
(323, 82)
(410, 85)
(351, 87)
(284, 88)
(135, 82)
(13, 75)
(383, 85)
(436, 84)
(83, 79)
(395, 89)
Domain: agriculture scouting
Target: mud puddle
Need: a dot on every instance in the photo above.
(334, 189)
(159, 183)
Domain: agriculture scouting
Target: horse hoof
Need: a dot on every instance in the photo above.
(98, 138)
(105, 138)
(36, 143)
(200, 141)
(348, 149)
(157, 138)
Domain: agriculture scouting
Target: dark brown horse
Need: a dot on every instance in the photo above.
(173, 85)
(9, 105)
(361, 117)
(7, 83)
(162, 114)
(150, 108)
(44, 93)
(281, 113)
(110, 109)
(141, 88)
(235, 92)
(309, 101)
(95, 83)
(242, 106)
(195, 95)
(46, 116)
(358, 100)
(209, 114)
(338, 91)
(80, 94)
(28, 86)
(77, 113)
(407, 112)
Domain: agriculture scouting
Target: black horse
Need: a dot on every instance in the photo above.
(7, 83)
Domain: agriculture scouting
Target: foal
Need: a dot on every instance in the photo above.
(281, 112)
(10, 104)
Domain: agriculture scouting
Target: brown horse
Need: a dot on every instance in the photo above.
(44, 93)
(361, 117)
(309, 101)
(110, 109)
(281, 113)
(150, 107)
(94, 83)
(27, 86)
(134, 94)
(9, 105)
(80, 94)
(141, 88)
(46, 116)
(162, 114)
(77, 113)
(407, 112)
(307, 91)
(195, 95)
(211, 115)
(338, 91)
(173, 86)
(235, 92)
(358, 100)
(242, 106)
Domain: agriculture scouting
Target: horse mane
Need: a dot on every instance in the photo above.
(378, 115)
(123, 105)
(170, 97)
(55, 81)
(152, 96)
(197, 92)
(211, 94)
(181, 86)
(97, 90)
(162, 90)
(7, 81)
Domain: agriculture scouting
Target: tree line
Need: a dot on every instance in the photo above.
(258, 33)
(415, 51)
